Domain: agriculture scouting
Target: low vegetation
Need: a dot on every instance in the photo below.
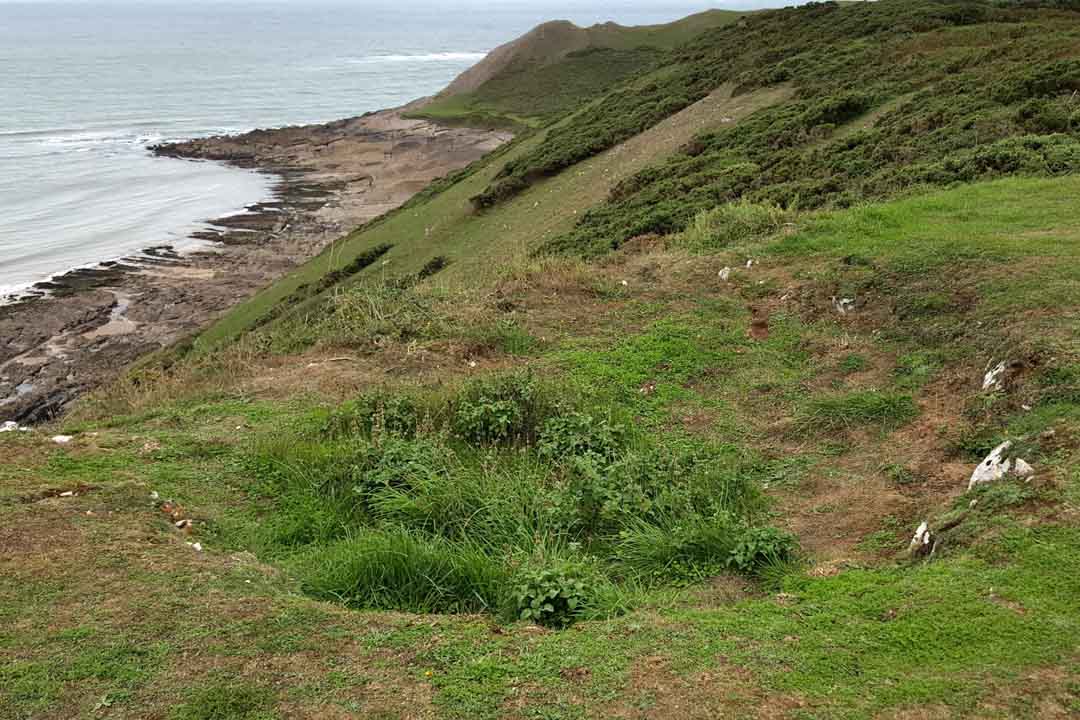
(468, 478)
(557, 67)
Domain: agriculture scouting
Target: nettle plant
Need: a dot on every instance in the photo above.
(551, 596)
(760, 547)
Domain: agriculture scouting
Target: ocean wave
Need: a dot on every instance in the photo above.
(418, 58)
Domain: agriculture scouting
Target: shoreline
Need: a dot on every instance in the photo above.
(83, 327)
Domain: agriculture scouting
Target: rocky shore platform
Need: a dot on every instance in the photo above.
(81, 329)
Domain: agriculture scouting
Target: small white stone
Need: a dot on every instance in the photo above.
(62, 439)
(154, 495)
(994, 467)
(9, 426)
(749, 264)
(992, 378)
(922, 543)
(843, 305)
(69, 493)
(1022, 469)
(724, 274)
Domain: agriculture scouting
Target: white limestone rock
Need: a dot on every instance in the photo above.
(923, 543)
(993, 377)
(994, 467)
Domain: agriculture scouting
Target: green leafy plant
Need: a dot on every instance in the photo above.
(375, 413)
(579, 434)
(760, 547)
(502, 410)
(550, 596)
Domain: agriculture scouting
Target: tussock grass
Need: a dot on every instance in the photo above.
(861, 409)
(733, 224)
(443, 508)
(395, 569)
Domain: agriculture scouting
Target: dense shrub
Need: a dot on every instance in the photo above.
(760, 547)
(940, 107)
(502, 410)
(577, 434)
(374, 414)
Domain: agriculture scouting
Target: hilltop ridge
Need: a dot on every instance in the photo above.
(552, 41)
(533, 79)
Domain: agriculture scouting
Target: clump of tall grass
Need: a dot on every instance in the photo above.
(398, 569)
(863, 408)
(731, 224)
(372, 313)
(508, 502)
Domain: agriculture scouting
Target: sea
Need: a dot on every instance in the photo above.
(87, 85)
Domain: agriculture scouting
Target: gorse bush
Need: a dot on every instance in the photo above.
(948, 92)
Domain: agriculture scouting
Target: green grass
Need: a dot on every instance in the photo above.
(564, 68)
(529, 95)
(960, 114)
(858, 410)
(227, 701)
(621, 462)
(449, 506)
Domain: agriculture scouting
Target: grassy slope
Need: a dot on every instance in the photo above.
(476, 244)
(857, 426)
(988, 93)
(987, 630)
(571, 66)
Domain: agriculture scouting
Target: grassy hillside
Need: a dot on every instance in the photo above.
(668, 470)
(847, 430)
(965, 90)
(557, 66)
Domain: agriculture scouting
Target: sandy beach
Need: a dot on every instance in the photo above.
(88, 325)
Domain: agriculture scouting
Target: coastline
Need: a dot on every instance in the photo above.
(90, 323)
